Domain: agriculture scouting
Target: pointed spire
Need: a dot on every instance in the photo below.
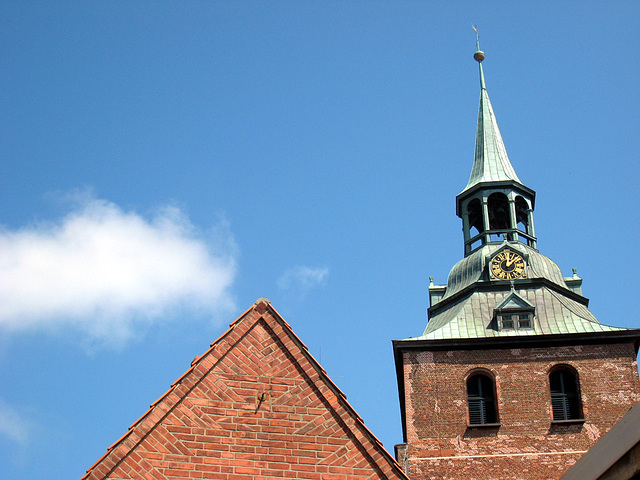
(494, 205)
(491, 163)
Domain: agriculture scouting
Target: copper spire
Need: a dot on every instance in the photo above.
(491, 163)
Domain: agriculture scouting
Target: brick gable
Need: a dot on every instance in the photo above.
(256, 405)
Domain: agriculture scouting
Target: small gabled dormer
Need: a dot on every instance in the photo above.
(514, 313)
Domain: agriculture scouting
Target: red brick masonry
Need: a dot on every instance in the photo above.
(255, 406)
(526, 444)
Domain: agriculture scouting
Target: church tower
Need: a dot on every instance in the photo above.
(513, 377)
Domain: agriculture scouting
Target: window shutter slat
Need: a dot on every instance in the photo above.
(565, 399)
(481, 400)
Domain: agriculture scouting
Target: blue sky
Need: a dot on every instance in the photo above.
(163, 165)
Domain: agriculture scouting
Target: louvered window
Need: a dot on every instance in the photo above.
(565, 396)
(481, 400)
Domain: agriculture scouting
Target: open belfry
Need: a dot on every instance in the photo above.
(513, 377)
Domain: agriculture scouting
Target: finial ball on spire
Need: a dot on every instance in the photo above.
(478, 56)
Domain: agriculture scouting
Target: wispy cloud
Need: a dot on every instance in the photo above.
(104, 270)
(13, 425)
(300, 279)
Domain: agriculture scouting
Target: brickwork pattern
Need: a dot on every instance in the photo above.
(256, 406)
(526, 444)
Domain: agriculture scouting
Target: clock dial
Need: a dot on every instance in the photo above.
(507, 265)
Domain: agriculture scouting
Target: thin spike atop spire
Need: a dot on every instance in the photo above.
(477, 36)
(479, 57)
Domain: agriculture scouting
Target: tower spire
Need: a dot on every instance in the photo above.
(491, 162)
(495, 205)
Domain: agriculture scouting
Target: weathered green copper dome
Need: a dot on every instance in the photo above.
(474, 268)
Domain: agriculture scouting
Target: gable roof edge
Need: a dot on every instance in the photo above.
(261, 306)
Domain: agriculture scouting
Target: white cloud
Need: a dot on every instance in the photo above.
(105, 270)
(301, 279)
(13, 425)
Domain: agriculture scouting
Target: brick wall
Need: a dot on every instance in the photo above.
(526, 445)
(256, 406)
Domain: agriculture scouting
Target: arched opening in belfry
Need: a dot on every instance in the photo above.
(474, 213)
(522, 215)
(498, 209)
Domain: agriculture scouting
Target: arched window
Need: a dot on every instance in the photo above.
(565, 395)
(481, 398)
(499, 216)
(474, 210)
(522, 214)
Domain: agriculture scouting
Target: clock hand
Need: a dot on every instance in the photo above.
(511, 260)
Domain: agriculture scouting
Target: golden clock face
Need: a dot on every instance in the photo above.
(507, 265)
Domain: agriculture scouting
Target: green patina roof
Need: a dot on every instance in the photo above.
(461, 315)
(491, 163)
(473, 316)
(473, 267)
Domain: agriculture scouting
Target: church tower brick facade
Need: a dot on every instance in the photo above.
(513, 377)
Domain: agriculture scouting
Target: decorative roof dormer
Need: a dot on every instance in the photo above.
(514, 313)
(495, 205)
